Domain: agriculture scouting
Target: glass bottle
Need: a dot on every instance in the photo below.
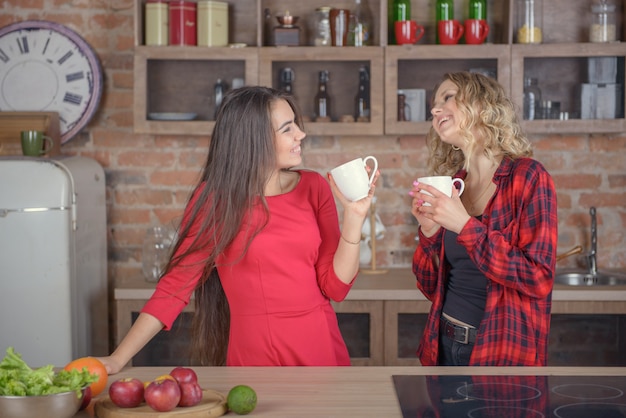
(532, 98)
(219, 90)
(400, 10)
(286, 79)
(362, 98)
(529, 21)
(360, 27)
(444, 11)
(267, 27)
(603, 27)
(478, 9)
(322, 99)
(155, 252)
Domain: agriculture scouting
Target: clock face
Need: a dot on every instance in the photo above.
(45, 66)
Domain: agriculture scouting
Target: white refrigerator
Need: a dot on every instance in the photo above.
(53, 259)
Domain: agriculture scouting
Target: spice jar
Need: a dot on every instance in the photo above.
(529, 21)
(156, 25)
(602, 28)
(321, 27)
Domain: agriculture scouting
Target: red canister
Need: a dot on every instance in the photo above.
(182, 22)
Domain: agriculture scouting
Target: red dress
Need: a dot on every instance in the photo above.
(279, 292)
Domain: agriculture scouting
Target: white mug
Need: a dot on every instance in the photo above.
(379, 227)
(443, 184)
(352, 178)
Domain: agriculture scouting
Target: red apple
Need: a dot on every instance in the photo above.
(126, 392)
(162, 394)
(86, 397)
(190, 394)
(184, 375)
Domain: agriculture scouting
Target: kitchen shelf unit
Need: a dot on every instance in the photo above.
(565, 34)
(560, 69)
(342, 86)
(180, 80)
(411, 66)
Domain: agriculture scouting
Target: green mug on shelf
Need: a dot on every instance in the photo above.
(35, 143)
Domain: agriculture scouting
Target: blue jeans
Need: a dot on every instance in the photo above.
(452, 353)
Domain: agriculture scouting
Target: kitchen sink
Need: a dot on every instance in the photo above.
(581, 278)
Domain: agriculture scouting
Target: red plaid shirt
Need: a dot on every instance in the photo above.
(514, 246)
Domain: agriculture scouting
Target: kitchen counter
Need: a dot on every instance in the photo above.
(341, 391)
(384, 300)
(399, 284)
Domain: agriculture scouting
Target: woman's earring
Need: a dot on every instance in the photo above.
(454, 147)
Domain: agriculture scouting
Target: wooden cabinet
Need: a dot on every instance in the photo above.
(361, 324)
(180, 79)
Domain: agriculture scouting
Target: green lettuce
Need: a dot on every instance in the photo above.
(18, 379)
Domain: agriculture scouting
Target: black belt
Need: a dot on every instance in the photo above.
(458, 333)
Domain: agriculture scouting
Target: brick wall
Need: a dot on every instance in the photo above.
(149, 177)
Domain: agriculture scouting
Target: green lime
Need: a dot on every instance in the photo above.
(241, 399)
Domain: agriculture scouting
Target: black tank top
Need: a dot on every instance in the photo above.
(466, 290)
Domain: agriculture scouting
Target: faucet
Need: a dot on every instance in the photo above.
(593, 265)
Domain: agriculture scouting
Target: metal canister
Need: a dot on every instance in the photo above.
(182, 22)
(212, 23)
(156, 22)
(321, 27)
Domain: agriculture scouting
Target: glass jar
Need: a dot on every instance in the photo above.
(529, 21)
(603, 27)
(532, 98)
(155, 252)
(321, 27)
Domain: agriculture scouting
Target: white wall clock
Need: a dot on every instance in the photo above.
(45, 66)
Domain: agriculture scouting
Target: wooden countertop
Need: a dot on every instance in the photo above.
(336, 391)
(399, 284)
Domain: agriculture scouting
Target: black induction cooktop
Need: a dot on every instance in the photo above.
(511, 396)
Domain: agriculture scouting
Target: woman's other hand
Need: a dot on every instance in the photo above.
(434, 209)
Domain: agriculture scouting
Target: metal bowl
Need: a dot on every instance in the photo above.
(60, 405)
(287, 20)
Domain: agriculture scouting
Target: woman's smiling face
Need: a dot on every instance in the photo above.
(446, 116)
(287, 135)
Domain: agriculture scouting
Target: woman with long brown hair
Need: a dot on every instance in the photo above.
(259, 246)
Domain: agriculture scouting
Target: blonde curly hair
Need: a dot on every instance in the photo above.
(490, 114)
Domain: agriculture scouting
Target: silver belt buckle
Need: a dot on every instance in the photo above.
(467, 333)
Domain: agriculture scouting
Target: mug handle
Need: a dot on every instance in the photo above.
(373, 173)
(462, 185)
(460, 31)
(419, 32)
(484, 30)
(48, 144)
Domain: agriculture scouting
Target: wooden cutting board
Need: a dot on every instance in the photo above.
(213, 404)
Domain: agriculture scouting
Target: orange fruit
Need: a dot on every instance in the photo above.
(93, 366)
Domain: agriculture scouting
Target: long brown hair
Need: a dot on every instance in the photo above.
(240, 160)
(488, 112)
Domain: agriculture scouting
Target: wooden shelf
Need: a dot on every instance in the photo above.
(391, 67)
(12, 123)
(181, 80)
